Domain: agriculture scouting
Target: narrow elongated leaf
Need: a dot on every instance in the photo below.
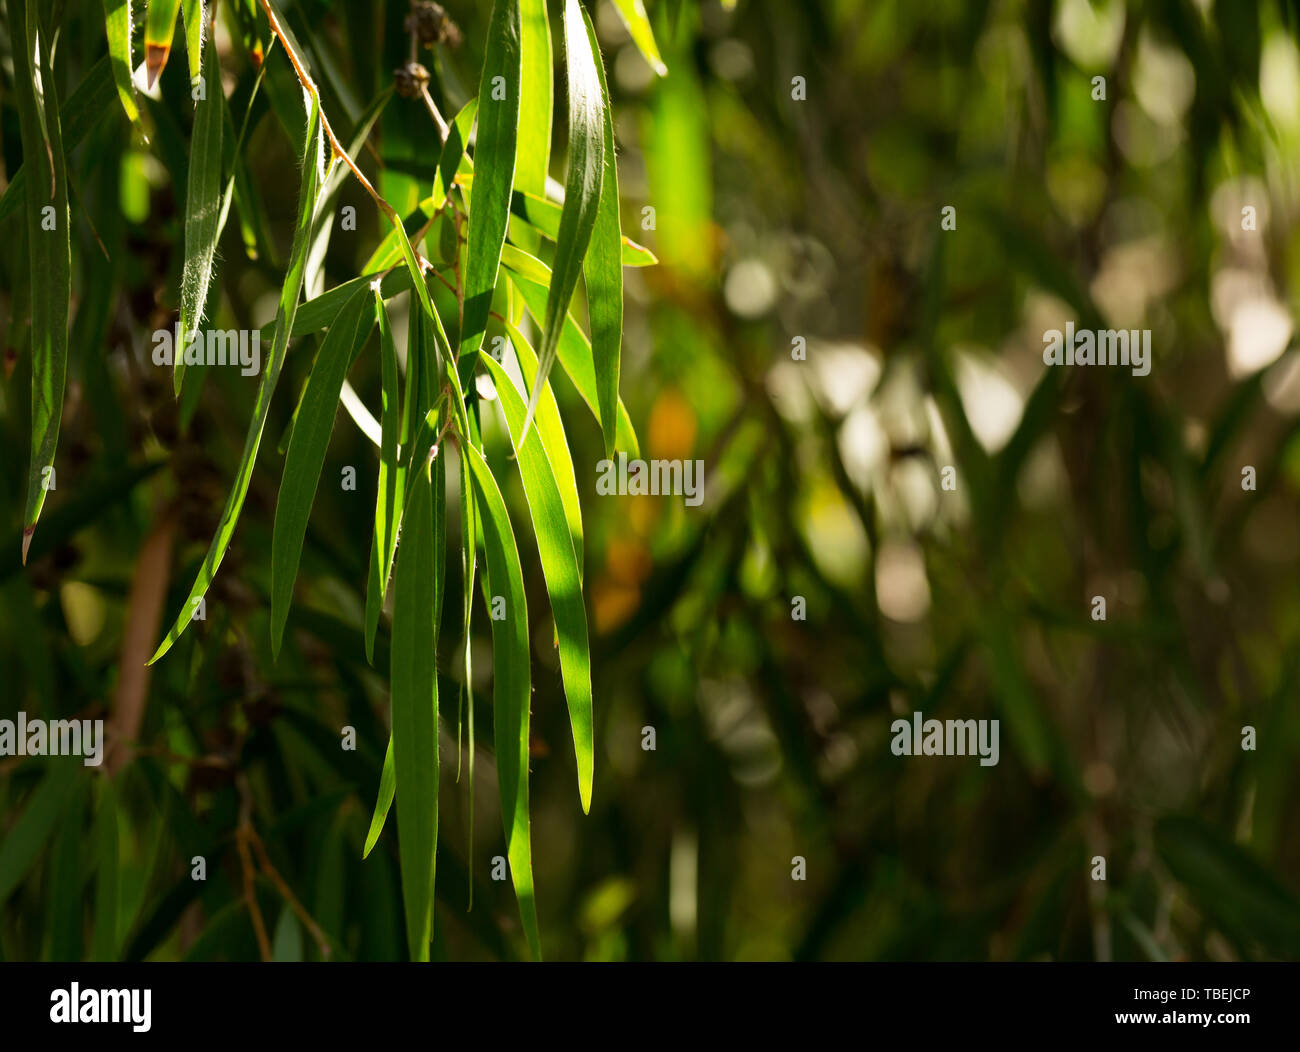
(489, 211)
(202, 208)
(638, 24)
(311, 180)
(453, 152)
(525, 264)
(22, 843)
(537, 102)
(544, 215)
(306, 455)
(414, 687)
(603, 272)
(159, 29)
(551, 430)
(387, 787)
(574, 353)
(560, 568)
(194, 17)
(49, 253)
(388, 510)
(117, 26)
(583, 180)
(511, 687)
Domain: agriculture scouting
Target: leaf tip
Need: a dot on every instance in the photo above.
(28, 533)
(155, 59)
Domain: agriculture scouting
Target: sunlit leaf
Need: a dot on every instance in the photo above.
(494, 160)
(603, 272)
(195, 18)
(202, 208)
(634, 17)
(512, 686)
(574, 353)
(560, 568)
(117, 24)
(159, 30)
(583, 180)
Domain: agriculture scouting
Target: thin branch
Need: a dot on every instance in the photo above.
(304, 78)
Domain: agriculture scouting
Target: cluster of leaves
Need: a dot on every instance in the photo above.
(498, 193)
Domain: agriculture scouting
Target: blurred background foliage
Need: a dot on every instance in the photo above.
(779, 224)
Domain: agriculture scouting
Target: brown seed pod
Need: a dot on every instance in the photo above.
(411, 80)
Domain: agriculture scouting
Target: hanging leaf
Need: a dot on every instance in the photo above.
(388, 509)
(638, 24)
(536, 95)
(561, 570)
(603, 272)
(159, 29)
(494, 160)
(194, 17)
(117, 26)
(511, 690)
(574, 353)
(203, 209)
(414, 689)
(49, 252)
(583, 180)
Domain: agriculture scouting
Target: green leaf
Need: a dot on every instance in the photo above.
(1230, 886)
(603, 271)
(306, 455)
(583, 179)
(387, 787)
(202, 208)
(575, 355)
(634, 17)
(551, 429)
(117, 26)
(536, 98)
(414, 689)
(195, 17)
(159, 29)
(561, 569)
(23, 841)
(525, 264)
(49, 252)
(453, 153)
(494, 159)
(511, 687)
(388, 509)
(544, 215)
(311, 180)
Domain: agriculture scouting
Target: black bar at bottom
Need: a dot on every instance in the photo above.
(597, 1003)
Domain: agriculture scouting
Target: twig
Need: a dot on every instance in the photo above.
(304, 78)
(322, 941)
(242, 832)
